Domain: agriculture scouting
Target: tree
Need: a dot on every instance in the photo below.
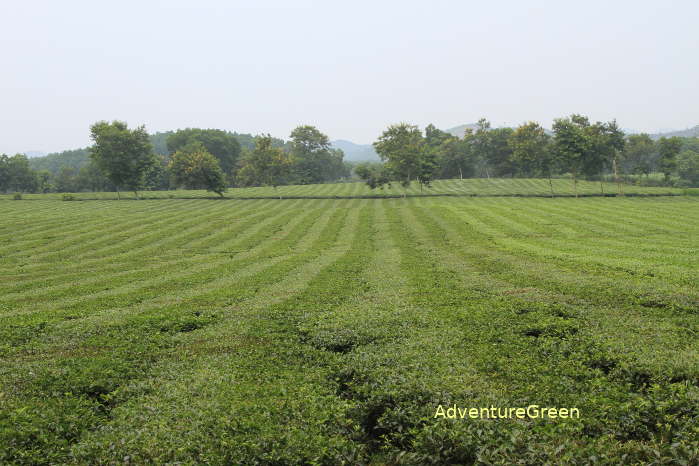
(688, 167)
(197, 169)
(374, 174)
(571, 144)
(606, 143)
(480, 141)
(638, 155)
(43, 178)
(66, 180)
(265, 164)
(221, 144)
(315, 161)
(406, 157)
(669, 148)
(91, 178)
(499, 153)
(16, 174)
(435, 137)
(4, 173)
(531, 152)
(455, 158)
(125, 156)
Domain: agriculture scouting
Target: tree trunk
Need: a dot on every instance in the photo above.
(461, 175)
(551, 185)
(616, 176)
(118, 195)
(601, 183)
(575, 184)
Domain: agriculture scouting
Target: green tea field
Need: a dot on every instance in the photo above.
(467, 187)
(332, 331)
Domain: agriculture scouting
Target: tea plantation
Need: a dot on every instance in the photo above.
(329, 331)
(468, 187)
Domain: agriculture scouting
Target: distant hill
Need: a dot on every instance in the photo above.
(460, 130)
(53, 163)
(356, 152)
(34, 153)
(683, 133)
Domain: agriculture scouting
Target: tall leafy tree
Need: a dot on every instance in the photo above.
(531, 151)
(455, 158)
(450, 154)
(499, 154)
(404, 152)
(688, 167)
(17, 175)
(197, 169)
(606, 144)
(4, 173)
(265, 164)
(639, 154)
(125, 156)
(315, 161)
(221, 144)
(481, 143)
(571, 144)
(435, 137)
(669, 149)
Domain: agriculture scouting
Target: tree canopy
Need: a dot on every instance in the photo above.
(195, 168)
(221, 144)
(125, 156)
(265, 164)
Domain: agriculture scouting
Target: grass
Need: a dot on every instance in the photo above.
(327, 331)
(467, 187)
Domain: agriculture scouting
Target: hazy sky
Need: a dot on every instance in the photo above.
(348, 67)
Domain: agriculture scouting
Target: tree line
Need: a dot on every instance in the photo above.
(575, 147)
(122, 158)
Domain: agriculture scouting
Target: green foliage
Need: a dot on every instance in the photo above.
(606, 141)
(125, 156)
(669, 149)
(639, 155)
(405, 154)
(531, 151)
(328, 331)
(159, 141)
(472, 187)
(688, 167)
(194, 168)
(583, 148)
(571, 143)
(374, 174)
(221, 144)
(53, 163)
(17, 175)
(266, 165)
(314, 160)
(455, 158)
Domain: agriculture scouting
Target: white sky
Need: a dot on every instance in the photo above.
(348, 67)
